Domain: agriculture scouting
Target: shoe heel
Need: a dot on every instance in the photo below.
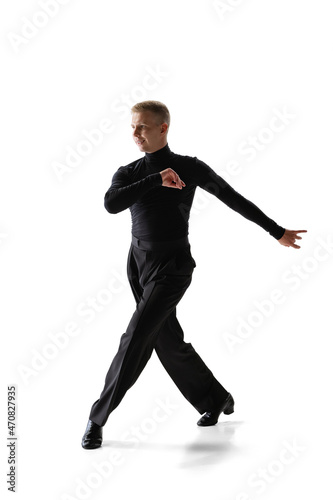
(229, 408)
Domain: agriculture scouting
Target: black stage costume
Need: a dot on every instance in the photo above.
(159, 268)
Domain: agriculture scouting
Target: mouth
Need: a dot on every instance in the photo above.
(140, 142)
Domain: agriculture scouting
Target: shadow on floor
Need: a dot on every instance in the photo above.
(210, 446)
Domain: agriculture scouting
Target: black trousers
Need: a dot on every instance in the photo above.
(159, 274)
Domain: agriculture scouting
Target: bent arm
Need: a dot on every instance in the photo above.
(122, 193)
(210, 181)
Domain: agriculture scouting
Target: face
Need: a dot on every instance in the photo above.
(147, 134)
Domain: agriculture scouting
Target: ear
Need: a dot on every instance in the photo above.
(164, 128)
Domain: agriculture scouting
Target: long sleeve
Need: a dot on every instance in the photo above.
(122, 193)
(208, 180)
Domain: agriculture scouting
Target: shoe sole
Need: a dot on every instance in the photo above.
(91, 446)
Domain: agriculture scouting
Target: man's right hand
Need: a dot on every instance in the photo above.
(171, 179)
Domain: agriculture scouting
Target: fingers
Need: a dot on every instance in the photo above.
(180, 183)
(300, 231)
(176, 181)
(296, 237)
(172, 179)
(289, 238)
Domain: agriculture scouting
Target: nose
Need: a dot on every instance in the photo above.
(135, 132)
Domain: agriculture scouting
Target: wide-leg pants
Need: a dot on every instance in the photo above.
(159, 275)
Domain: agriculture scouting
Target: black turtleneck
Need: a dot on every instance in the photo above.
(161, 213)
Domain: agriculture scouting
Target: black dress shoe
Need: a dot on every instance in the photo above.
(93, 436)
(211, 417)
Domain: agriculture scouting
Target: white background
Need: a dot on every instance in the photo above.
(222, 75)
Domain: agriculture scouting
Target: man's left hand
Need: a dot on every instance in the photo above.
(289, 238)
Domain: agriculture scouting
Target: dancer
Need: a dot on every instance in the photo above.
(158, 189)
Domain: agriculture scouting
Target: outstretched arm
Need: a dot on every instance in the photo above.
(210, 181)
(213, 183)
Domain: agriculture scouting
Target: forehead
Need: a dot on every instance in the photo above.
(146, 117)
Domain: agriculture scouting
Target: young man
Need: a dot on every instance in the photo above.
(159, 189)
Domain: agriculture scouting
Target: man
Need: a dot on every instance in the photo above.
(159, 189)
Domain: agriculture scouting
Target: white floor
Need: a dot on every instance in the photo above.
(271, 447)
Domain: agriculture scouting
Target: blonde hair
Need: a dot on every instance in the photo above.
(158, 108)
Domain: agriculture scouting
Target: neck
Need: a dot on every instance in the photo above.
(160, 154)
